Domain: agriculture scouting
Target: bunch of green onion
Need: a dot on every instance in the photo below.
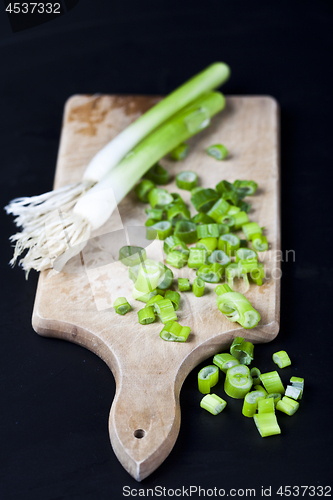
(111, 174)
(262, 393)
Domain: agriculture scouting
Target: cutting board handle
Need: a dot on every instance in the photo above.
(144, 420)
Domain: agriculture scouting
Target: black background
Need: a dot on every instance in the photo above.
(55, 396)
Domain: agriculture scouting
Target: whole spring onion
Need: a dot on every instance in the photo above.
(95, 207)
(186, 180)
(207, 378)
(213, 403)
(238, 381)
(31, 213)
(121, 306)
(174, 332)
(217, 151)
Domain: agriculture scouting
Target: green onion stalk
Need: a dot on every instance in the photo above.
(95, 207)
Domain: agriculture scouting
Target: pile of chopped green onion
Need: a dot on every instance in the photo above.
(262, 393)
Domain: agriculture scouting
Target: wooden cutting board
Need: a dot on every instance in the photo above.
(76, 304)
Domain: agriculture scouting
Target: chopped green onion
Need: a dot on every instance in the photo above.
(232, 271)
(155, 213)
(281, 358)
(208, 231)
(248, 265)
(197, 257)
(233, 210)
(258, 274)
(178, 211)
(209, 244)
(220, 289)
(225, 361)
(174, 332)
(238, 381)
(245, 207)
(204, 199)
(174, 297)
(186, 231)
(227, 191)
(166, 277)
(259, 242)
(266, 405)
(213, 403)
(298, 382)
(158, 175)
(237, 220)
(218, 210)
(176, 259)
(223, 229)
(132, 256)
(267, 424)
(186, 180)
(165, 311)
(228, 220)
(163, 229)
(211, 273)
(229, 243)
(180, 152)
(218, 151)
(202, 218)
(251, 401)
(151, 222)
(146, 315)
(159, 198)
(220, 257)
(255, 374)
(245, 188)
(208, 377)
(198, 287)
(245, 254)
(242, 350)
(148, 276)
(250, 229)
(121, 306)
(184, 284)
(153, 300)
(272, 382)
(159, 291)
(143, 189)
(293, 392)
(276, 396)
(259, 388)
(287, 405)
(237, 308)
(174, 243)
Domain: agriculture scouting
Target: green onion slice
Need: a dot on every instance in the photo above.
(281, 358)
(245, 253)
(158, 175)
(272, 382)
(204, 199)
(276, 396)
(132, 256)
(266, 405)
(227, 191)
(184, 284)
(225, 361)
(213, 403)
(166, 277)
(229, 243)
(217, 151)
(208, 231)
(287, 405)
(298, 382)
(211, 273)
(178, 211)
(155, 213)
(242, 350)
(267, 424)
(174, 243)
(236, 307)
(251, 402)
(198, 287)
(146, 315)
(218, 209)
(197, 257)
(174, 297)
(165, 311)
(176, 259)
(293, 392)
(207, 378)
(121, 306)
(238, 381)
(255, 374)
(245, 188)
(174, 332)
(186, 231)
(220, 257)
(202, 218)
(148, 276)
(259, 242)
(250, 229)
(233, 210)
(187, 180)
(141, 296)
(180, 152)
(143, 189)
(159, 198)
(151, 302)
(163, 229)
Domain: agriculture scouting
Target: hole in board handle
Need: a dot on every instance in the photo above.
(139, 433)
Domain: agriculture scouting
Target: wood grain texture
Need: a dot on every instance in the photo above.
(76, 304)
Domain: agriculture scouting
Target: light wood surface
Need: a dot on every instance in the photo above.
(76, 304)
